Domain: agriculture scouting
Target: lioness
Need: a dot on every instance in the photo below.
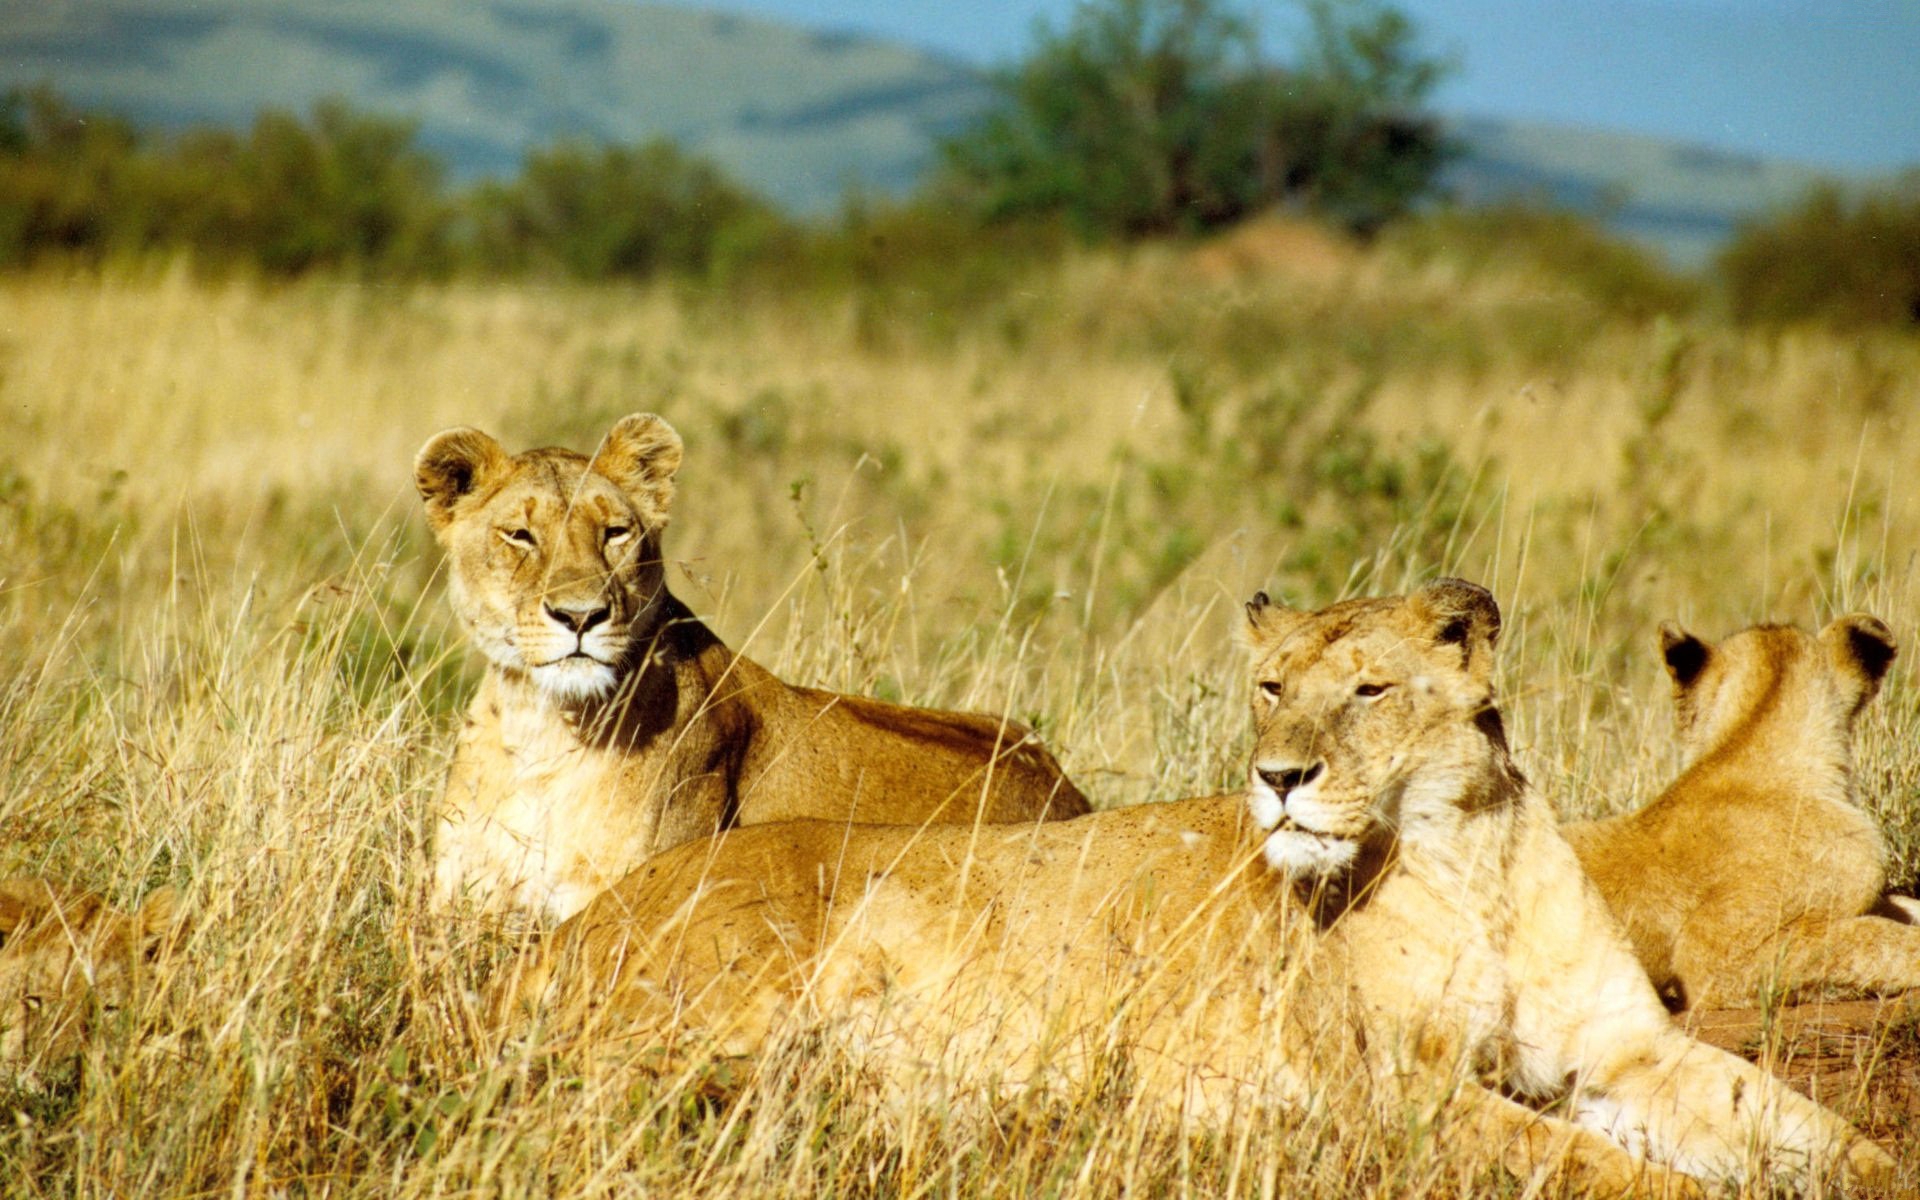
(1757, 868)
(612, 724)
(1388, 871)
(64, 958)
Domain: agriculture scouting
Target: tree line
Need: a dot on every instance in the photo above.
(348, 191)
(1135, 119)
(1138, 118)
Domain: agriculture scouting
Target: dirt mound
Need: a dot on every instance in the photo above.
(1275, 247)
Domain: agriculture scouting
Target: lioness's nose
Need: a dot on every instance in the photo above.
(578, 617)
(1289, 778)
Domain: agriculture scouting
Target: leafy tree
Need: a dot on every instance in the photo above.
(1348, 122)
(1153, 116)
(1113, 121)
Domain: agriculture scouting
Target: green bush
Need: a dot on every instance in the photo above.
(919, 266)
(603, 212)
(1849, 260)
(1553, 244)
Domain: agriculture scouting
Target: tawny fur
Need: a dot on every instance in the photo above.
(66, 958)
(613, 725)
(1757, 871)
(1389, 894)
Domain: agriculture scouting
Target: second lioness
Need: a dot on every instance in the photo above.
(1389, 893)
(612, 724)
(1758, 869)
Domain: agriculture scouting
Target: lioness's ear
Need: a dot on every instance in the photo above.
(1266, 623)
(641, 453)
(1685, 655)
(1462, 614)
(453, 465)
(1864, 644)
(22, 898)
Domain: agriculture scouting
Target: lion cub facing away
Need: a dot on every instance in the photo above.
(612, 724)
(1757, 868)
(1388, 892)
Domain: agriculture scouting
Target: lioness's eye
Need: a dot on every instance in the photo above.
(1270, 689)
(518, 537)
(617, 534)
(33, 1003)
(1369, 690)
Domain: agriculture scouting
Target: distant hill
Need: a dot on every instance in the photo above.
(800, 115)
(1682, 198)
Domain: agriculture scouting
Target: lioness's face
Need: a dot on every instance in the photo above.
(552, 573)
(1833, 673)
(554, 558)
(1373, 720)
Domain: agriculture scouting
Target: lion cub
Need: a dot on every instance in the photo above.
(1389, 907)
(64, 958)
(612, 724)
(1757, 868)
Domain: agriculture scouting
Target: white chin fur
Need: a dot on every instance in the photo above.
(1297, 852)
(575, 679)
(1264, 805)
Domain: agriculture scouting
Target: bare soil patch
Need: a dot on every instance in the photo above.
(1860, 1057)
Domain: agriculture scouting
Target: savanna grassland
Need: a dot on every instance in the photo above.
(226, 664)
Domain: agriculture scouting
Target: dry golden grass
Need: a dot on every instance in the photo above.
(225, 664)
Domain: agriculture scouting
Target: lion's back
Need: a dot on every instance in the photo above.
(839, 757)
(733, 931)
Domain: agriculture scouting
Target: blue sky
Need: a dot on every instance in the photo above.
(1834, 84)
